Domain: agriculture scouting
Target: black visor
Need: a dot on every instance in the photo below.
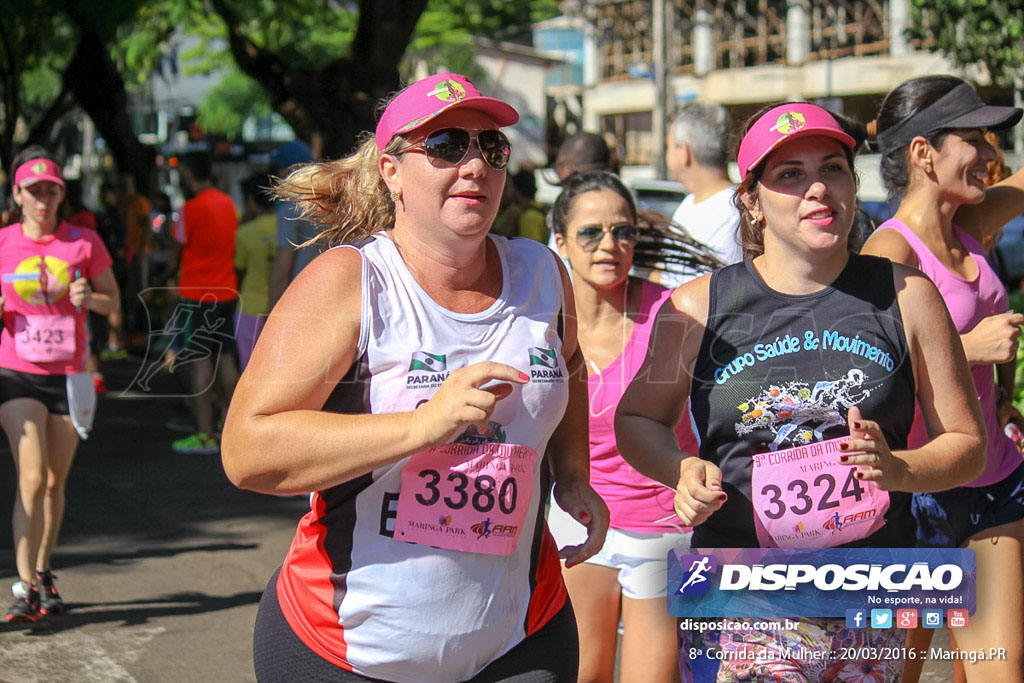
(959, 108)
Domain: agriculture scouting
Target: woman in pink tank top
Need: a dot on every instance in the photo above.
(596, 228)
(934, 159)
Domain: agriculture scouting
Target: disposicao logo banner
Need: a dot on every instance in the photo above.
(788, 582)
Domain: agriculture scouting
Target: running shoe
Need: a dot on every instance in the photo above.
(50, 601)
(197, 443)
(26, 604)
(111, 353)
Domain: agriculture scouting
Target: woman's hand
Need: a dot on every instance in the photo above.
(699, 491)
(583, 504)
(868, 450)
(80, 292)
(994, 339)
(461, 401)
(1012, 422)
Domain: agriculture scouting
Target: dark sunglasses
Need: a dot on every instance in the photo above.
(451, 145)
(590, 237)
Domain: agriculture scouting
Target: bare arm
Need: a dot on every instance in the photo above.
(277, 439)
(99, 294)
(993, 340)
(1003, 202)
(569, 448)
(946, 394)
(653, 404)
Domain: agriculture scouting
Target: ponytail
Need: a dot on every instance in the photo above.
(347, 196)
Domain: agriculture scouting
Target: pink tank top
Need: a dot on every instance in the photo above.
(969, 302)
(43, 333)
(635, 502)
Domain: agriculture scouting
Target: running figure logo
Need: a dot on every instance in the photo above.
(790, 122)
(697, 581)
(482, 529)
(833, 523)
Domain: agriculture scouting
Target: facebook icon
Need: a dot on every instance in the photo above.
(856, 618)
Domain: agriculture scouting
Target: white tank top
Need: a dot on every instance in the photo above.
(408, 611)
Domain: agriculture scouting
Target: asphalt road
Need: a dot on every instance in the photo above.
(161, 560)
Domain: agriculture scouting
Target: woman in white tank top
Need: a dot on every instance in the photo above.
(413, 384)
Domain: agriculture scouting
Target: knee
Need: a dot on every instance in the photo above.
(31, 485)
(54, 487)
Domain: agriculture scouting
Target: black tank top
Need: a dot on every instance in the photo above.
(776, 371)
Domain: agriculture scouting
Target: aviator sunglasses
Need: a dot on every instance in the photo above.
(450, 146)
(590, 237)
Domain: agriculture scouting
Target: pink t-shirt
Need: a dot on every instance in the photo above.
(635, 502)
(969, 302)
(35, 276)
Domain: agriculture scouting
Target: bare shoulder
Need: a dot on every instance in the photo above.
(919, 299)
(692, 299)
(332, 281)
(892, 245)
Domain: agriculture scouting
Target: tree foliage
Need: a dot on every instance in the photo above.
(990, 32)
(320, 64)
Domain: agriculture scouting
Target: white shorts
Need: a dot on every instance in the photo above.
(641, 558)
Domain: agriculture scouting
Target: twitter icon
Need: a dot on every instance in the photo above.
(881, 618)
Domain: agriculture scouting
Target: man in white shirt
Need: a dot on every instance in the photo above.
(698, 157)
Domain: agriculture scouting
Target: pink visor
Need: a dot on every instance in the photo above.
(783, 123)
(434, 95)
(37, 170)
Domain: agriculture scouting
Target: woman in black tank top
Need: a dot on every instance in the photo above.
(800, 344)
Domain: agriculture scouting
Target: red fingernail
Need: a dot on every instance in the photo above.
(523, 376)
(844, 446)
(844, 458)
(859, 474)
(584, 516)
(856, 424)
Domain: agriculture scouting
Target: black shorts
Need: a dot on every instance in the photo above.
(947, 519)
(209, 328)
(551, 655)
(50, 390)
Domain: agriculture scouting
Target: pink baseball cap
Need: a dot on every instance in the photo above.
(434, 95)
(37, 170)
(784, 123)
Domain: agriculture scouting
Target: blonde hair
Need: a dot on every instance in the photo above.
(347, 196)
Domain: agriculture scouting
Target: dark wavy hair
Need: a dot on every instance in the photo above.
(662, 245)
(904, 101)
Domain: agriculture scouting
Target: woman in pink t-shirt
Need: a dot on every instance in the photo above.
(934, 159)
(596, 229)
(50, 273)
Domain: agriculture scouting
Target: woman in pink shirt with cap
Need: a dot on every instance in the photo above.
(430, 365)
(52, 272)
(802, 343)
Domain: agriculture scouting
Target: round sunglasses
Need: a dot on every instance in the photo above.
(590, 237)
(449, 146)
